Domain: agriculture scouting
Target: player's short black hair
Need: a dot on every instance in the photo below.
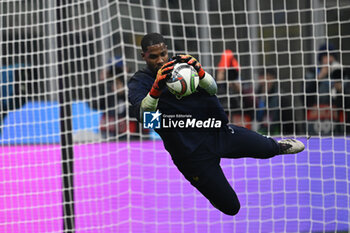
(151, 39)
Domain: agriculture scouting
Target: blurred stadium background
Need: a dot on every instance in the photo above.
(73, 160)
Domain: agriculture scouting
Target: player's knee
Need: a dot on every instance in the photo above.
(233, 210)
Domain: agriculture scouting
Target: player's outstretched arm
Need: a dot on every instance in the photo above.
(150, 102)
(206, 81)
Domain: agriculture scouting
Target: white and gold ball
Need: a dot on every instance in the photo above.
(184, 80)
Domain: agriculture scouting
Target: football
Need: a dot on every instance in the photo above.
(184, 80)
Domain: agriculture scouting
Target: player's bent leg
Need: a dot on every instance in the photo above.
(213, 184)
(239, 142)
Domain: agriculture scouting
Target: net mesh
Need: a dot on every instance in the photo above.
(281, 69)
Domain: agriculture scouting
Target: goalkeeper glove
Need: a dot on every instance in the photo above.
(150, 102)
(193, 62)
(206, 81)
(164, 73)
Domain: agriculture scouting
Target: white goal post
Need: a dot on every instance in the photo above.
(73, 159)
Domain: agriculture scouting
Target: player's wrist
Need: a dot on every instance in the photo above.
(156, 89)
(208, 83)
(149, 103)
(155, 93)
(201, 73)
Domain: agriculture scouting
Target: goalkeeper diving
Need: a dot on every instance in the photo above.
(197, 153)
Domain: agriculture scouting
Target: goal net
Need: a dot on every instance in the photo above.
(72, 157)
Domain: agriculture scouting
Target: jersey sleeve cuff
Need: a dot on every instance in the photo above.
(208, 83)
(149, 103)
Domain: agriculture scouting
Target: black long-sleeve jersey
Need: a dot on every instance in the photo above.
(179, 142)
